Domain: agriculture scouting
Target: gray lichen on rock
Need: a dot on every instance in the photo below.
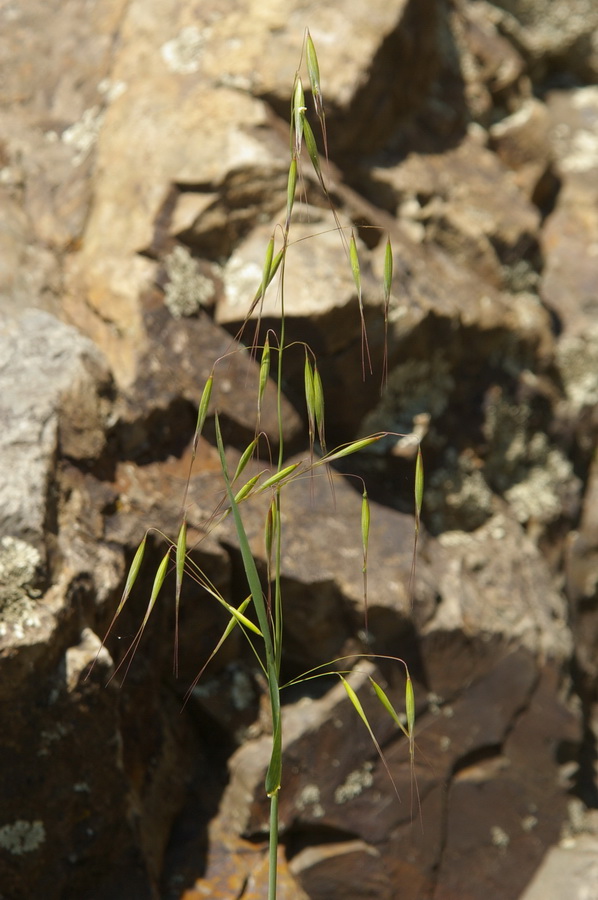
(415, 386)
(577, 359)
(187, 289)
(523, 464)
(182, 54)
(355, 783)
(19, 572)
(22, 837)
(538, 495)
(457, 495)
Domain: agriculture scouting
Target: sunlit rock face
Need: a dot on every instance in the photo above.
(144, 160)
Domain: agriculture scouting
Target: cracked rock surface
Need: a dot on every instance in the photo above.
(143, 169)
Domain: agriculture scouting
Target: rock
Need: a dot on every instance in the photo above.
(474, 565)
(319, 286)
(351, 868)
(321, 305)
(562, 38)
(319, 726)
(143, 168)
(53, 841)
(175, 357)
(151, 497)
(13, 238)
(242, 866)
(56, 393)
(56, 577)
(149, 196)
(568, 869)
(52, 104)
(453, 200)
(366, 90)
(505, 808)
(521, 141)
(493, 71)
(135, 200)
(478, 688)
(582, 580)
(570, 235)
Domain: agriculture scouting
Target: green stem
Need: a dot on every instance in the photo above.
(273, 847)
(279, 372)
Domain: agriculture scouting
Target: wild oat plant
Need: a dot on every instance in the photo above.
(264, 629)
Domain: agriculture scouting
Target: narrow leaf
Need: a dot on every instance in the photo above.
(409, 706)
(276, 263)
(388, 268)
(247, 488)
(249, 564)
(356, 702)
(129, 584)
(355, 267)
(383, 698)
(419, 484)
(312, 147)
(233, 622)
(313, 70)
(365, 526)
(365, 538)
(237, 614)
(360, 711)
(132, 576)
(419, 497)
(348, 449)
(308, 379)
(291, 190)
(245, 457)
(202, 412)
(264, 374)
(267, 266)
(278, 476)
(181, 555)
(156, 588)
(270, 529)
(319, 407)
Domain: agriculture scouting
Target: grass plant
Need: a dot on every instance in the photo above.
(260, 615)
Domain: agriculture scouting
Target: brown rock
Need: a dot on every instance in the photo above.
(466, 201)
(65, 731)
(319, 289)
(521, 141)
(504, 809)
(566, 869)
(582, 579)
(240, 868)
(363, 70)
(174, 359)
(492, 69)
(151, 497)
(350, 869)
(53, 97)
(169, 119)
(56, 398)
(559, 38)
(135, 197)
(571, 232)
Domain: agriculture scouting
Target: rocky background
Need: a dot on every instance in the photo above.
(143, 160)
